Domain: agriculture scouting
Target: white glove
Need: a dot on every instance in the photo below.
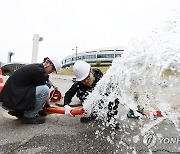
(68, 110)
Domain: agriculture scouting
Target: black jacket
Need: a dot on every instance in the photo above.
(19, 90)
(81, 90)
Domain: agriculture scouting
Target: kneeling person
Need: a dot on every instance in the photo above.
(25, 92)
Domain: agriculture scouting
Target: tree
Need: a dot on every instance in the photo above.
(98, 63)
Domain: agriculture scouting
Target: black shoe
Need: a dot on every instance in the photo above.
(87, 119)
(18, 114)
(33, 120)
(42, 113)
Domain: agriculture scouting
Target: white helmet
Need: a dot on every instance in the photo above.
(81, 70)
(56, 63)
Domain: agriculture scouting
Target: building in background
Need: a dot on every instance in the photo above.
(102, 56)
(10, 68)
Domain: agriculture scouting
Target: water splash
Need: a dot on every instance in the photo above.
(147, 74)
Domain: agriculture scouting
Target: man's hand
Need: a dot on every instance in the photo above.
(68, 110)
(47, 105)
(55, 88)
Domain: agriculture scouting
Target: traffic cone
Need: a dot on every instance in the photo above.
(1, 81)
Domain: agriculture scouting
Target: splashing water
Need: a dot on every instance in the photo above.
(147, 74)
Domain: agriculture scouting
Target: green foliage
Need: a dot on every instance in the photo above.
(98, 63)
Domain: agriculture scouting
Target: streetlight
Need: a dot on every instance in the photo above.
(10, 54)
(76, 52)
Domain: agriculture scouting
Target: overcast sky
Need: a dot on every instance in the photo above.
(65, 24)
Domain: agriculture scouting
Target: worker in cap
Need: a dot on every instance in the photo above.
(25, 92)
(86, 80)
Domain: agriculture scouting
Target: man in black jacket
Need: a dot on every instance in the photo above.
(25, 92)
(86, 80)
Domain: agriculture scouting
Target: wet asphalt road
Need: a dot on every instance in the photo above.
(62, 134)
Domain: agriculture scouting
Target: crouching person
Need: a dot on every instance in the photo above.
(25, 92)
(86, 80)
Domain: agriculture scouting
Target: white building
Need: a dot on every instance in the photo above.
(103, 55)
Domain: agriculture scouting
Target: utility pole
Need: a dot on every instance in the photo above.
(76, 52)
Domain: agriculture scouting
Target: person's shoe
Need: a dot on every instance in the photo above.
(42, 113)
(33, 120)
(87, 119)
(18, 114)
